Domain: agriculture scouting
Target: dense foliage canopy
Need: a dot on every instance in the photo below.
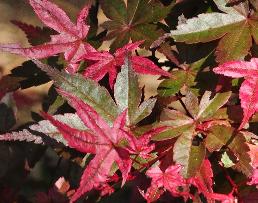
(100, 139)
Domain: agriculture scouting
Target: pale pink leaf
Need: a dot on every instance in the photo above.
(36, 52)
(23, 135)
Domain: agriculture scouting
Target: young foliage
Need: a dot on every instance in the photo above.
(183, 144)
(109, 144)
(107, 63)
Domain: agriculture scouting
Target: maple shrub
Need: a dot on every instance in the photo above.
(99, 138)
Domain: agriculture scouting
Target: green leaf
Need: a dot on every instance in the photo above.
(172, 132)
(206, 27)
(87, 90)
(229, 47)
(174, 118)
(234, 27)
(218, 136)
(126, 90)
(128, 95)
(114, 9)
(209, 107)
(227, 162)
(240, 149)
(254, 27)
(188, 155)
(133, 22)
(172, 86)
(192, 104)
(144, 110)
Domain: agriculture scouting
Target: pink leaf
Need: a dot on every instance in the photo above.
(104, 141)
(83, 141)
(146, 66)
(169, 180)
(248, 94)
(108, 64)
(36, 52)
(69, 40)
(54, 17)
(121, 52)
(96, 173)
(82, 28)
(89, 116)
(248, 90)
(238, 69)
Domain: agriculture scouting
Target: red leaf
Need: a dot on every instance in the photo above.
(108, 64)
(96, 172)
(204, 182)
(69, 40)
(169, 180)
(248, 92)
(238, 69)
(104, 142)
(54, 17)
(83, 141)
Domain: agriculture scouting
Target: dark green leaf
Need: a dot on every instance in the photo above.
(134, 21)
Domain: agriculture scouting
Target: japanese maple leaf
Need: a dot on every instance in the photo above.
(169, 180)
(69, 40)
(35, 35)
(134, 20)
(108, 63)
(104, 142)
(109, 144)
(235, 27)
(203, 181)
(248, 92)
